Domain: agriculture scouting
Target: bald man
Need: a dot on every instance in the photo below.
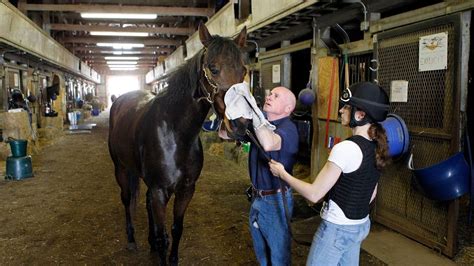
(268, 222)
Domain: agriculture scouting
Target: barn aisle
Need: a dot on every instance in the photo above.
(70, 212)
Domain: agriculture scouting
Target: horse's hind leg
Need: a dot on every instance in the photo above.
(129, 186)
(181, 202)
(156, 201)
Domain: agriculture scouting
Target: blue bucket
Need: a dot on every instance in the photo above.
(445, 180)
(397, 135)
(95, 112)
(211, 125)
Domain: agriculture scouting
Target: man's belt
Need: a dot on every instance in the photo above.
(263, 193)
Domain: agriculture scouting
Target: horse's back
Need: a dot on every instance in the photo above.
(126, 115)
(128, 105)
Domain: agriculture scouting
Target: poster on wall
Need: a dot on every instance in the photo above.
(16, 80)
(433, 52)
(399, 91)
(276, 73)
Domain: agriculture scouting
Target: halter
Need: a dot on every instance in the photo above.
(209, 96)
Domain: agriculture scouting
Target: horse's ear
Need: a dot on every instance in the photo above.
(204, 34)
(241, 38)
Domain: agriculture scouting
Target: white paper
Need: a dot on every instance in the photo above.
(276, 73)
(16, 82)
(399, 91)
(433, 52)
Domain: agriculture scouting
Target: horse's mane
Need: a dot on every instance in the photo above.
(185, 80)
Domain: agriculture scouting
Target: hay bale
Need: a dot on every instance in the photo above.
(16, 125)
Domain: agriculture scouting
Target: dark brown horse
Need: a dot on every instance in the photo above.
(156, 137)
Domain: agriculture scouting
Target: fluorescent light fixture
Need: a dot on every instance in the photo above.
(121, 58)
(123, 68)
(120, 52)
(118, 15)
(121, 62)
(121, 45)
(119, 33)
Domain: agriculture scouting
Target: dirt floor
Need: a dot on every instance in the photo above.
(70, 212)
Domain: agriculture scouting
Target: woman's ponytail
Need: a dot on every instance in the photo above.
(377, 133)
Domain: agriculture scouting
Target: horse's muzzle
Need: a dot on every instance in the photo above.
(239, 128)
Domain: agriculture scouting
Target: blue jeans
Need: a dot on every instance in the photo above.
(335, 244)
(269, 229)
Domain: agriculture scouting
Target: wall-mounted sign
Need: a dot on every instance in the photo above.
(399, 91)
(16, 80)
(433, 52)
(276, 73)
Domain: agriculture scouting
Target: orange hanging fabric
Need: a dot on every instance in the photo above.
(331, 89)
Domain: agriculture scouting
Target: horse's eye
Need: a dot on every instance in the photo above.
(213, 69)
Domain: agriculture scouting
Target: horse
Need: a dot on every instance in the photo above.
(156, 137)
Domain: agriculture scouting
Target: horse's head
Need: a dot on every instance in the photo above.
(223, 66)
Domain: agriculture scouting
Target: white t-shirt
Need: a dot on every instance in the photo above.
(347, 155)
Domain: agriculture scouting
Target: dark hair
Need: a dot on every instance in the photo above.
(377, 133)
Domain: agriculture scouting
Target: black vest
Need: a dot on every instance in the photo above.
(352, 191)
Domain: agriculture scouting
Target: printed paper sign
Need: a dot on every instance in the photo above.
(399, 91)
(433, 52)
(276, 73)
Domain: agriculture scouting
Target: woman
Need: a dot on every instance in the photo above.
(349, 178)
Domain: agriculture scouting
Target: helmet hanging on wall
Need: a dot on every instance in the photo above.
(367, 97)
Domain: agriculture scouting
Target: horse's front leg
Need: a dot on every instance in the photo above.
(181, 202)
(156, 202)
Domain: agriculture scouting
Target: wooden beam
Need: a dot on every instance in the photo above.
(355, 11)
(144, 50)
(159, 10)
(157, 30)
(287, 34)
(145, 40)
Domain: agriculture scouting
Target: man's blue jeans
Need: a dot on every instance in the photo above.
(335, 244)
(269, 229)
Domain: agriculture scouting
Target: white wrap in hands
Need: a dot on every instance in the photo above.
(240, 103)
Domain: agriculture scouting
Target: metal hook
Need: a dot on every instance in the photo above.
(376, 64)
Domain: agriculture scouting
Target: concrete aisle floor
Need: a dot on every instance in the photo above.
(396, 249)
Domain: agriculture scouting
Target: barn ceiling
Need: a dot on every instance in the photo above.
(90, 38)
(176, 20)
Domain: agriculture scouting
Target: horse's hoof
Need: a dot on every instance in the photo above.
(132, 246)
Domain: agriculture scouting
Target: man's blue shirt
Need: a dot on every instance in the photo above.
(260, 174)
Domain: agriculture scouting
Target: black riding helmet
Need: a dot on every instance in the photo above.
(367, 97)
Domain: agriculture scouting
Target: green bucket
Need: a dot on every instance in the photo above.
(18, 147)
(246, 147)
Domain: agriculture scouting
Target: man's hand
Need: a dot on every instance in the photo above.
(240, 103)
(235, 104)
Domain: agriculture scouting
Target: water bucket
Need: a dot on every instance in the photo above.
(445, 180)
(95, 112)
(397, 135)
(211, 125)
(18, 147)
(72, 118)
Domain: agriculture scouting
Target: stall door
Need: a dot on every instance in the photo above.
(432, 115)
